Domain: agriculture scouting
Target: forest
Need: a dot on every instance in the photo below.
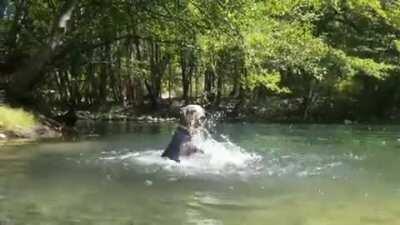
(304, 60)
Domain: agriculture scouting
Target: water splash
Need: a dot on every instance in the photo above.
(219, 158)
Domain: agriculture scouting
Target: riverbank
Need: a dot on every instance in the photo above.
(18, 124)
(270, 110)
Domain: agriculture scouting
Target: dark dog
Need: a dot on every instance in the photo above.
(191, 122)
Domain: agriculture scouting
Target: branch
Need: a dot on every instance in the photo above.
(31, 72)
(61, 22)
(84, 46)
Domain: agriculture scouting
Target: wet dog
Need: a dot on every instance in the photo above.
(191, 122)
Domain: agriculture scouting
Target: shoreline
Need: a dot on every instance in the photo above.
(10, 138)
(46, 130)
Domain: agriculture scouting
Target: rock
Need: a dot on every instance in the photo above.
(84, 115)
(347, 122)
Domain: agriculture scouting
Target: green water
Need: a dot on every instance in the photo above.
(308, 175)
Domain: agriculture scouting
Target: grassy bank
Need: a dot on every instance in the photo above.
(17, 123)
(16, 120)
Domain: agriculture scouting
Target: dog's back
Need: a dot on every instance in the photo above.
(179, 140)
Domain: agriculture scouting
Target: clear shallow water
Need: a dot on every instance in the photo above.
(255, 174)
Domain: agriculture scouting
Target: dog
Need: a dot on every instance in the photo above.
(192, 119)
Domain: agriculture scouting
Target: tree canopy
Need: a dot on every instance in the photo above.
(335, 57)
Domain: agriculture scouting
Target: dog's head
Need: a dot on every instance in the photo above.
(192, 117)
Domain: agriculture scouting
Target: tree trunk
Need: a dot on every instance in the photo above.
(185, 74)
(32, 71)
(309, 100)
(158, 66)
(219, 90)
(3, 6)
(209, 80)
(188, 66)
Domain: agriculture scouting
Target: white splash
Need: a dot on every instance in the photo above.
(218, 158)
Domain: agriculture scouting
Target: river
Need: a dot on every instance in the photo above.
(278, 174)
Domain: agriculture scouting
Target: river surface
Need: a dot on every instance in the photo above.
(248, 174)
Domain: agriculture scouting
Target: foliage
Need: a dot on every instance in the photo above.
(132, 52)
